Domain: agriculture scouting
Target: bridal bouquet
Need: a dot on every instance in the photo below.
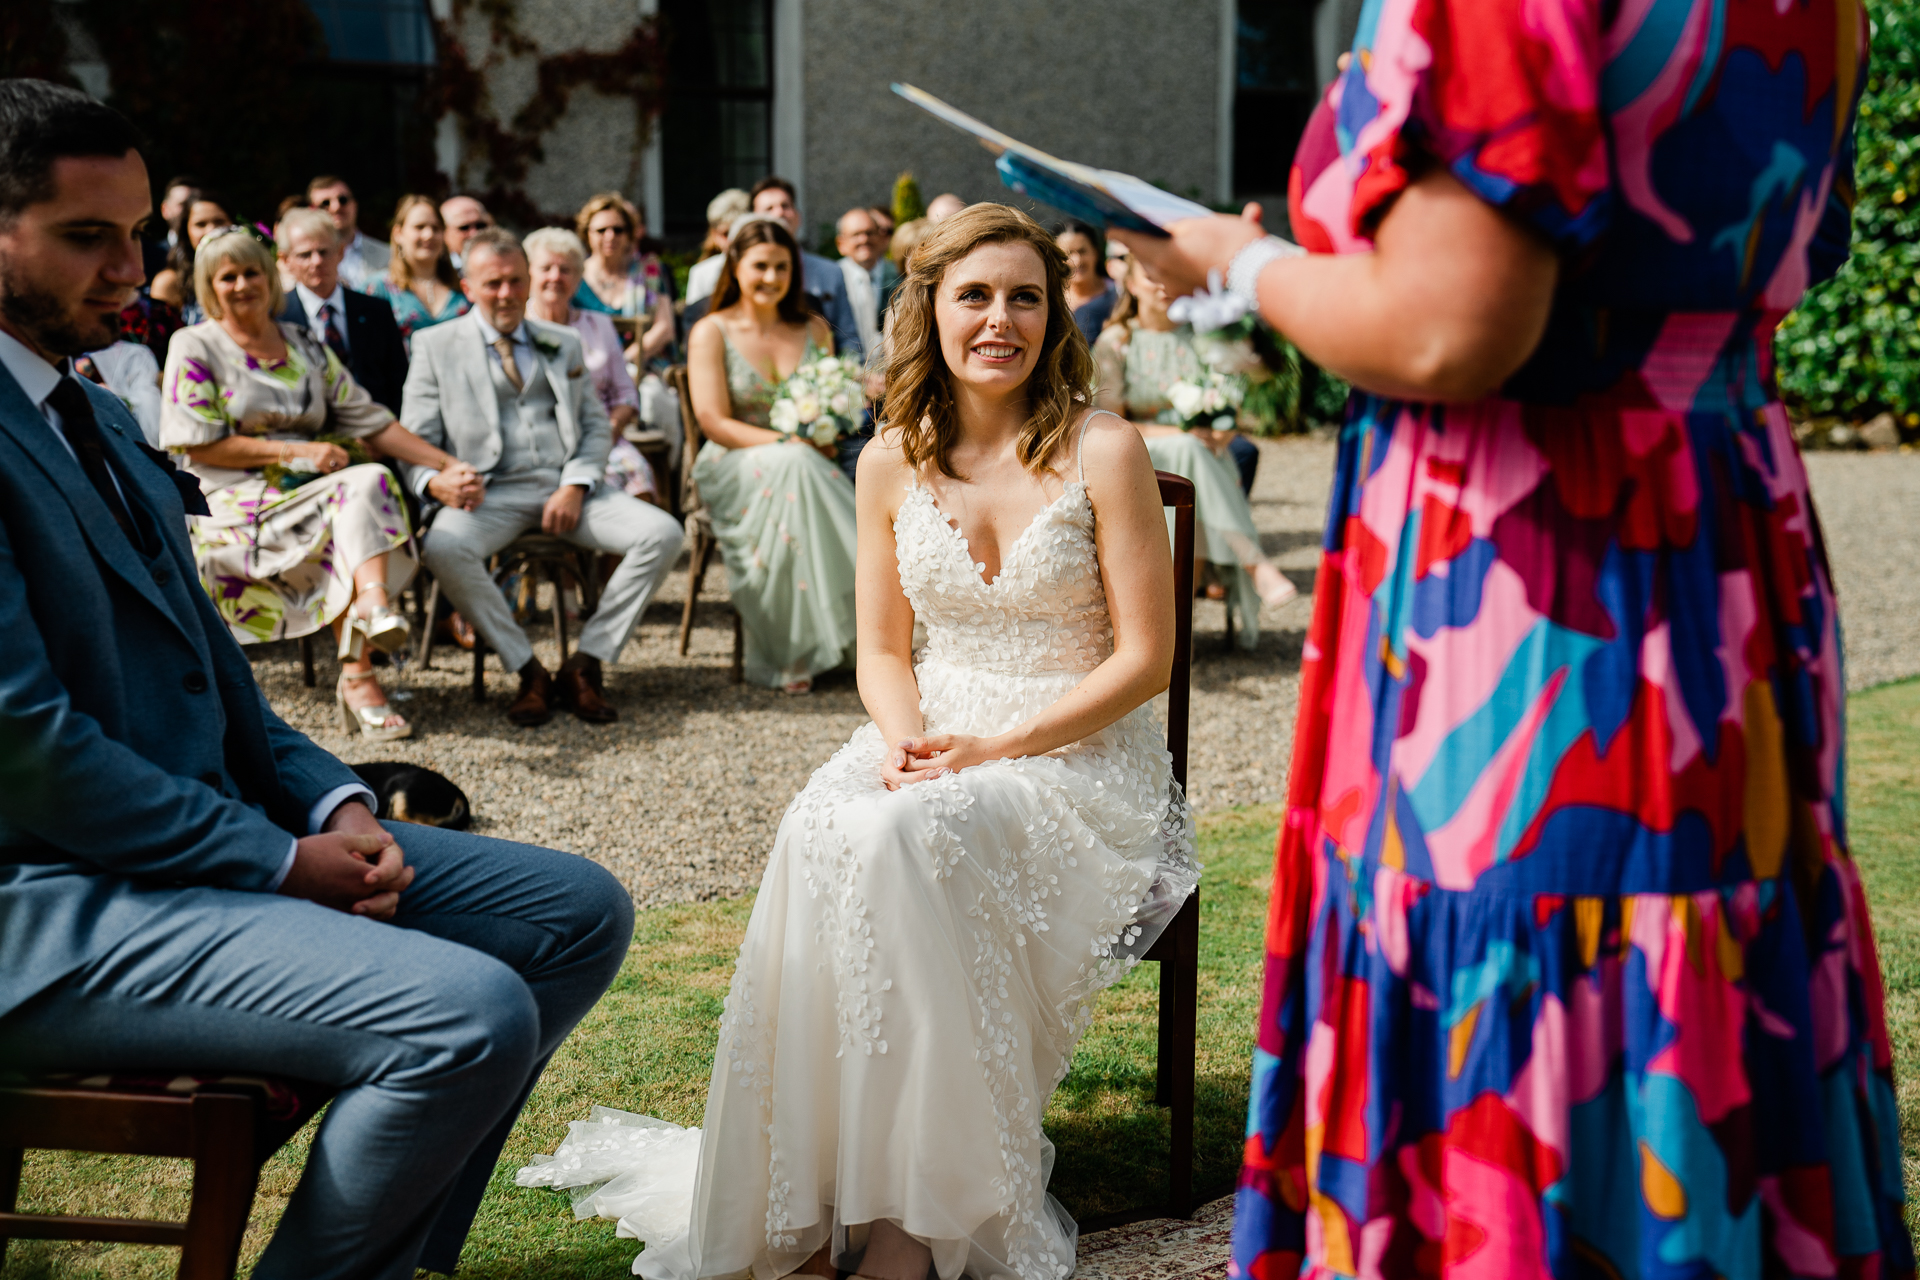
(821, 401)
(1212, 399)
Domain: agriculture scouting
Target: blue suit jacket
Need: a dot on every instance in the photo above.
(137, 755)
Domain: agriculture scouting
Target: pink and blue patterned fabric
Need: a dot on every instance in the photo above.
(1569, 969)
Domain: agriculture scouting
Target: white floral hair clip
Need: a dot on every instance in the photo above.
(1213, 309)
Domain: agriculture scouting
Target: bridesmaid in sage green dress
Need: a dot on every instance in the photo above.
(1139, 354)
(782, 510)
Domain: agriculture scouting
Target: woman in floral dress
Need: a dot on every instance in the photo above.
(782, 511)
(1569, 967)
(255, 406)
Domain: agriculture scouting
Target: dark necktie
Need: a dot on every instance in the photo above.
(335, 339)
(82, 431)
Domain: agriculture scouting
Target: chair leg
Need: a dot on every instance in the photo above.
(479, 668)
(1182, 977)
(738, 672)
(428, 611)
(10, 1161)
(306, 659)
(558, 576)
(696, 572)
(224, 1179)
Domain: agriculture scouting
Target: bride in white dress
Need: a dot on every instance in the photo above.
(954, 887)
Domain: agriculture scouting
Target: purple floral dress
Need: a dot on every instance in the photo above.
(279, 562)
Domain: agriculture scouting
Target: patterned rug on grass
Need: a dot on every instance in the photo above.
(1161, 1248)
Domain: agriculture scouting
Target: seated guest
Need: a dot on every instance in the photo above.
(357, 328)
(826, 289)
(1089, 292)
(723, 211)
(200, 213)
(420, 286)
(157, 240)
(188, 884)
(362, 258)
(782, 510)
(944, 206)
(1140, 354)
(906, 238)
(129, 370)
(296, 537)
(867, 271)
(462, 216)
(511, 396)
(621, 281)
(556, 259)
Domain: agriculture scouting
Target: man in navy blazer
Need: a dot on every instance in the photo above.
(185, 881)
(359, 328)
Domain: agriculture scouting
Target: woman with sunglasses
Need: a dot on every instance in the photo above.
(622, 281)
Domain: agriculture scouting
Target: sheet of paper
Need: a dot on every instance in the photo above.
(1082, 191)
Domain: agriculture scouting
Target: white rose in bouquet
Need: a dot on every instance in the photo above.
(820, 402)
(1186, 398)
(825, 431)
(784, 417)
(806, 406)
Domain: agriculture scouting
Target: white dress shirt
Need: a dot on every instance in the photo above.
(865, 301)
(363, 259)
(38, 379)
(133, 374)
(312, 302)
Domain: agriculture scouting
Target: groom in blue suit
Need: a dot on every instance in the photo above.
(185, 882)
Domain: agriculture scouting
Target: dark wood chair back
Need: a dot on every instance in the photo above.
(701, 542)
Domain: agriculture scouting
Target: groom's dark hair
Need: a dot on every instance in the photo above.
(41, 123)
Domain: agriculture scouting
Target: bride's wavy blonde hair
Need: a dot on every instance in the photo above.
(920, 402)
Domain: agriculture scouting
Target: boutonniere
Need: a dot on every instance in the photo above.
(546, 347)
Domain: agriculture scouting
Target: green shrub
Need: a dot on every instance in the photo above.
(907, 204)
(1852, 347)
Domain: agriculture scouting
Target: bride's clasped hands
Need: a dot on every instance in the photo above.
(954, 887)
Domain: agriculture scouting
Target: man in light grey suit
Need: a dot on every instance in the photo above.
(186, 883)
(510, 397)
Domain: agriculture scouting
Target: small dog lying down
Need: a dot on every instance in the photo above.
(408, 793)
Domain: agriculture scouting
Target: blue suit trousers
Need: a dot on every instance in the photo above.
(433, 1028)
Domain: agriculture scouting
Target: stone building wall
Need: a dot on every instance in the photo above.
(1125, 84)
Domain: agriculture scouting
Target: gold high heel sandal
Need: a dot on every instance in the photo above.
(380, 627)
(372, 721)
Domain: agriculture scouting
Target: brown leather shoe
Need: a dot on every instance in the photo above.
(455, 630)
(578, 685)
(534, 705)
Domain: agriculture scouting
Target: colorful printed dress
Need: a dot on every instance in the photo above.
(279, 563)
(410, 313)
(783, 516)
(1569, 970)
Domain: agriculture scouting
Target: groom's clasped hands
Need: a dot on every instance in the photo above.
(353, 865)
(935, 756)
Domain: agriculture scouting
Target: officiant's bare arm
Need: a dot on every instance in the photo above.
(1136, 568)
(883, 619)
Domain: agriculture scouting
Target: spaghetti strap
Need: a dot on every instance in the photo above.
(1081, 448)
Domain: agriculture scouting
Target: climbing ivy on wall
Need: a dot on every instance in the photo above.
(506, 151)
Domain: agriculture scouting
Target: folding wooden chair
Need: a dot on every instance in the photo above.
(701, 542)
(228, 1126)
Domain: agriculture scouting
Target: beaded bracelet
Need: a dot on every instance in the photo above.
(1243, 273)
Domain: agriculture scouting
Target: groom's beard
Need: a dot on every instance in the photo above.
(40, 316)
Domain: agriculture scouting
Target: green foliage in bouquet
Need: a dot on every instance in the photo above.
(1852, 347)
(284, 478)
(907, 204)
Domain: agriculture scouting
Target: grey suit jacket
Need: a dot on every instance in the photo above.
(138, 759)
(450, 401)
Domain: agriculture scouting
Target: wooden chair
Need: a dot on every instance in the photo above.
(228, 1127)
(701, 542)
(537, 553)
(1177, 950)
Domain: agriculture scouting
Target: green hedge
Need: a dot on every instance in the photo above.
(1852, 348)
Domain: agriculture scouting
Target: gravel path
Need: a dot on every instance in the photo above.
(681, 797)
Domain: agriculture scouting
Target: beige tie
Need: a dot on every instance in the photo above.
(508, 365)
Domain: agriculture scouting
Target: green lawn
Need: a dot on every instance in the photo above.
(648, 1047)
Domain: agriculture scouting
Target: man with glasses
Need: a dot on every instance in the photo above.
(363, 259)
(464, 216)
(869, 273)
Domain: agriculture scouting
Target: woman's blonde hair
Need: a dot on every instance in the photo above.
(399, 270)
(920, 402)
(234, 244)
(602, 203)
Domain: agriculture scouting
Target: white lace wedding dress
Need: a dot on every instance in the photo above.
(920, 962)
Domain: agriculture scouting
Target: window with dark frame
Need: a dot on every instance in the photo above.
(1275, 90)
(368, 91)
(717, 129)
